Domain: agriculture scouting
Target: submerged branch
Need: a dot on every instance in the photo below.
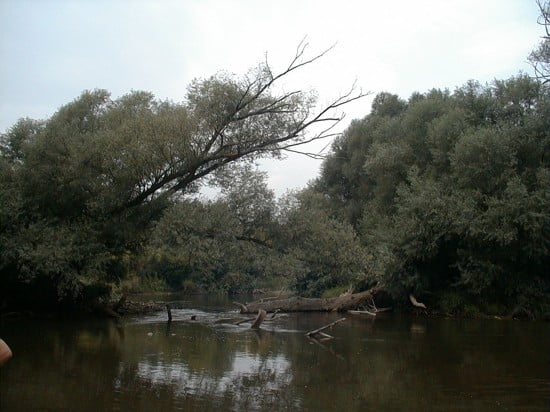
(319, 331)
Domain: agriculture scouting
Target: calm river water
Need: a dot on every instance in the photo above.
(400, 363)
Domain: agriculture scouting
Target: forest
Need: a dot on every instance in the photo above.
(442, 194)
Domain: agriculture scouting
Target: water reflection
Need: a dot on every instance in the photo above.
(391, 363)
(250, 379)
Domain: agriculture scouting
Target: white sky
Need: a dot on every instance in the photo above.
(50, 51)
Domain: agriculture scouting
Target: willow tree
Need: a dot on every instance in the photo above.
(79, 190)
(451, 197)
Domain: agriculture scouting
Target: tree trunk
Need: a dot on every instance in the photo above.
(298, 304)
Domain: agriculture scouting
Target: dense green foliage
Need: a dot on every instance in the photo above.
(220, 244)
(244, 240)
(444, 196)
(80, 191)
(449, 192)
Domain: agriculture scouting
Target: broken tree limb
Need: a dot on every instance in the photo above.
(269, 319)
(416, 303)
(325, 336)
(245, 320)
(299, 304)
(318, 331)
(371, 310)
(362, 312)
(259, 319)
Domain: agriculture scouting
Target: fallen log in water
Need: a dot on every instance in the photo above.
(298, 304)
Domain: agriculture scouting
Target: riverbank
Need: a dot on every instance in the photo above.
(146, 303)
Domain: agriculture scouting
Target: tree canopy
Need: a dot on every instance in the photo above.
(449, 191)
(443, 195)
(80, 190)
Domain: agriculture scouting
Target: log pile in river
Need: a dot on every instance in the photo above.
(342, 303)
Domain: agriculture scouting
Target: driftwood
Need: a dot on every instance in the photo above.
(245, 320)
(299, 304)
(362, 312)
(259, 319)
(370, 310)
(273, 315)
(319, 331)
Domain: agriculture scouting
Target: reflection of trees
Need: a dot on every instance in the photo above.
(58, 365)
(399, 363)
(393, 363)
(424, 364)
(238, 368)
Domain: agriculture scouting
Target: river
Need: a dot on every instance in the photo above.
(393, 362)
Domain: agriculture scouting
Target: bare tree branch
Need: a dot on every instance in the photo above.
(253, 121)
(540, 57)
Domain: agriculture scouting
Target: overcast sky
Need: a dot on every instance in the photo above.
(50, 51)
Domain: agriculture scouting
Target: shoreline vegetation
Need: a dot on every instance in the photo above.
(442, 197)
(145, 303)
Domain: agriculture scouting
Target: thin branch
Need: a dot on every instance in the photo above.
(207, 161)
(315, 156)
(317, 331)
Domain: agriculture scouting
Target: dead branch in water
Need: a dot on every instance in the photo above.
(259, 319)
(362, 312)
(272, 317)
(321, 329)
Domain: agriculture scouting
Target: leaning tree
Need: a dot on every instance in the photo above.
(79, 190)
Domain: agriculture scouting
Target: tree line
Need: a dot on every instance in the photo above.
(81, 191)
(443, 195)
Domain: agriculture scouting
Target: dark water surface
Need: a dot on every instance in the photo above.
(389, 363)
